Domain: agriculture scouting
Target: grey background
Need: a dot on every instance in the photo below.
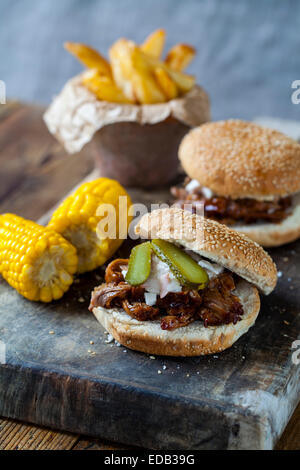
(248, 50)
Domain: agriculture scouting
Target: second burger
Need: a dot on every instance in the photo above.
(244, 176)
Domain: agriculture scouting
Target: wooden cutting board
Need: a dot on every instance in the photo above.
(53, 375)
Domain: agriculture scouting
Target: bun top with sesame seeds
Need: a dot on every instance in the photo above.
(213, 241)
(241, 159)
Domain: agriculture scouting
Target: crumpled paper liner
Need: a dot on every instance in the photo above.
(76, 114)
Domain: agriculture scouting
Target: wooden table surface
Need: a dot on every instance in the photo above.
(35, 174)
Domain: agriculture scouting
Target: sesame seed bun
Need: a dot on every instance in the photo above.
(213, 241)
(190, 340)
(241, 159)
(271, 235)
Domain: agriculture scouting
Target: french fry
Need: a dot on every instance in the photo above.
(180, 56)
(89, 57)
(146, 88)
(155, 43)
(183, 81)
(136, 74)
(166, 83)
(104, 87)
(121, 63)
(133, 74)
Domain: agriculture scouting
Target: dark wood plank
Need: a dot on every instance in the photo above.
(35, 171)
(19, 436)
(290, 439)
(8, 109)
(97, 444)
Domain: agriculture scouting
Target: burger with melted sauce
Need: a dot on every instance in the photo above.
(244, 176)
(180, 294)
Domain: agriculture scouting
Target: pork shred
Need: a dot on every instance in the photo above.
(232, 211)
(215, 305)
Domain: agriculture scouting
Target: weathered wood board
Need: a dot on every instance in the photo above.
(241, 398)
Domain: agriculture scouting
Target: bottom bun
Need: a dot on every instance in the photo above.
(269, 235)
(191, 340)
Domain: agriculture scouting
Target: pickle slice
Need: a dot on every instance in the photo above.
(139, 267)
(186, 269)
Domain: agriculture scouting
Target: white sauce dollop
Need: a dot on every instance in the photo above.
(150, 299)
(212, 269)
(161, 280)
(207, 193)
(194, 184)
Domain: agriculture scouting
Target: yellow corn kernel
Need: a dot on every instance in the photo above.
(57, 292)
(77, 219)
(65, 278)
(46, 294)
(32, 265)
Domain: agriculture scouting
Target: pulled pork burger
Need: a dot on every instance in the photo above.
(245, 176)
(191, 290)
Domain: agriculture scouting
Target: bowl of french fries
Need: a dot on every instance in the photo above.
(133, 109)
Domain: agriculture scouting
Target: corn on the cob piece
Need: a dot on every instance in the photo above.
(77, 220)
(35, 260)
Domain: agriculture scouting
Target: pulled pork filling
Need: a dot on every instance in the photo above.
(215, 305)
(230, 211)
